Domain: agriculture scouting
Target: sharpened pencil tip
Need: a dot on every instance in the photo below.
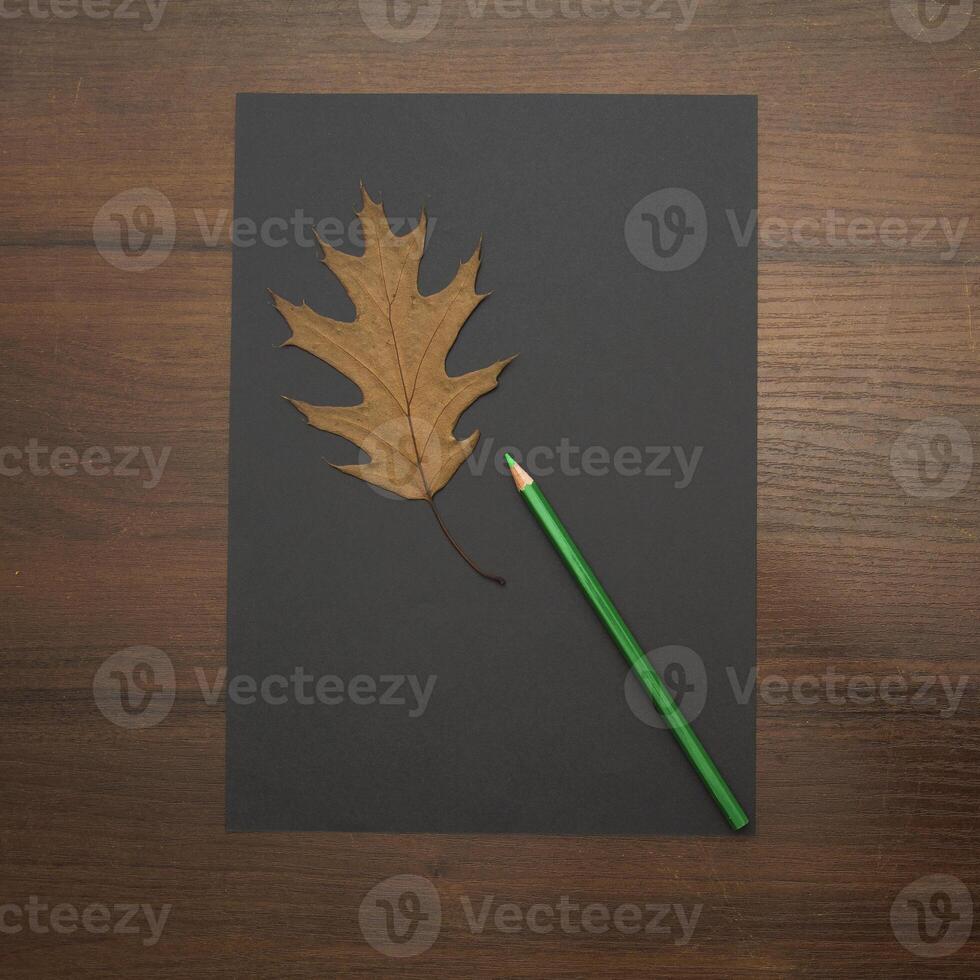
(521, 478)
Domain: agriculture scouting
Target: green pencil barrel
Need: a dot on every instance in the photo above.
(626, 642)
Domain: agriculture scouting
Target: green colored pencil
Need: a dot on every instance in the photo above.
(626, 642)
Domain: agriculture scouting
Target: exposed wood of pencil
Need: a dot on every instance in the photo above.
(520, 475)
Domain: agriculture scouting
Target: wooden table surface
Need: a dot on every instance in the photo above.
(867, 566)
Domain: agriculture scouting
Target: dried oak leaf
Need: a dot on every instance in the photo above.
(395, 352)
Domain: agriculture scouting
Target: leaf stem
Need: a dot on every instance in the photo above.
(462, 554)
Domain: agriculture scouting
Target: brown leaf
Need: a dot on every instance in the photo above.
(395, 352)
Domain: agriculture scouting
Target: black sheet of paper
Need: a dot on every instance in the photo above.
(375, 683)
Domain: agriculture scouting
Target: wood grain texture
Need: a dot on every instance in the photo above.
(857, 341)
